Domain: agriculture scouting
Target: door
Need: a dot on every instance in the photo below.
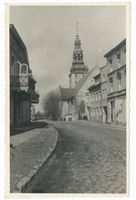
(112, 111)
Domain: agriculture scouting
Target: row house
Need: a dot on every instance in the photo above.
(107, 95)
(116, 83)
(104, 90)
(95, 99)
(22, 83)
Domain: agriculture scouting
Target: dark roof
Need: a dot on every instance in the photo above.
(94, 87)
(67, 93)
(97, 76)
(115, 48)
(16, 34)
(83, 80)
(17, 37)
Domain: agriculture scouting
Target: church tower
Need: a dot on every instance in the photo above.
(78, 69)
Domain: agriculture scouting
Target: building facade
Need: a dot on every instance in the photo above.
(116, 84)
(67, 104)
(107, 95)
(22, 83)
(100, 94)
(82, 94)
(104, 90)
(95, 110)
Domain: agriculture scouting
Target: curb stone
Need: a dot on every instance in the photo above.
(20, 186)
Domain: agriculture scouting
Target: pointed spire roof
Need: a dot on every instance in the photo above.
(78, 65)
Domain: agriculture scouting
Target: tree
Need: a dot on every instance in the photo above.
(52, 105)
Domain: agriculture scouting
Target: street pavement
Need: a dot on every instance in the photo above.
(88, 159)
(30, 149)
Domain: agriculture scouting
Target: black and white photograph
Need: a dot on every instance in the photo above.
(68, 98)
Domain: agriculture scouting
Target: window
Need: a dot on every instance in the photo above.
(110, 63)
(87, 93)
(96, 96)
(24, 69)
(103, 77)
(119, 80)
(100, 111)
(92, 112)
(118, 60)
(111, 84)
(93, 96)
(100, 95)
(97, 112)
(119, 84)
(105, 94)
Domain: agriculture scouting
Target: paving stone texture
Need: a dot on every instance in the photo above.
(87, 159)
(31, 150)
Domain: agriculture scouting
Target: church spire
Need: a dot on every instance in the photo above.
(78, 69)
(77, 53)
(77, 28)
(78, 62)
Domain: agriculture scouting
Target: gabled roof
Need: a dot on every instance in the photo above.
(67, 93)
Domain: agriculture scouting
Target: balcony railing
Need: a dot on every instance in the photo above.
(34, 97)
(20, 82)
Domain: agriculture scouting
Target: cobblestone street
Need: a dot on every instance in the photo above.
(88, 159)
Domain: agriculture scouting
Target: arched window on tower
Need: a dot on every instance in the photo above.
(79, 57)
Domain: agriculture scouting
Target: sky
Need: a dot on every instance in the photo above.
(49, 33)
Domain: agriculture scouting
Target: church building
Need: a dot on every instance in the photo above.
(78, 69)
(74, 99)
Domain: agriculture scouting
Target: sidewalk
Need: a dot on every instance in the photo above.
(30, 150)
(113, 126)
